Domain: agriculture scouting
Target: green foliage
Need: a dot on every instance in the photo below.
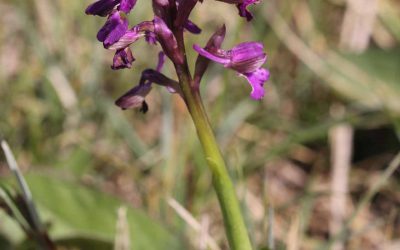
(79, 215)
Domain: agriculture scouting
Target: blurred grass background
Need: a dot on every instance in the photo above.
(313, 162)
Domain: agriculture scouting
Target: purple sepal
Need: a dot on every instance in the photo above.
(128, 38)
(161, 61)
(101, 7)
(212, 56)
(135, 98)
(126, 5)
(213, 44)
(192, 27)
(114, 28)
(123, 59)
(247, 57)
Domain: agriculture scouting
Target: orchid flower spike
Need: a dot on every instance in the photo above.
(171, 18)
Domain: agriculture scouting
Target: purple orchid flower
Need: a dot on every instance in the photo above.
(114, 28)
(246, 59)
(143, 29)
(105, 7)
(135, 97)
(123, 59)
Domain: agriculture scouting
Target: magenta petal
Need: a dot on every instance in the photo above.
(213, 57)
(101, 7)
(115, 27)
(257, 80)
(127, 5)
(128, 38)
(145, 29)
(213, 44)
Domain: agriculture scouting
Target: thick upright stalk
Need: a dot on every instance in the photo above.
(234, 224)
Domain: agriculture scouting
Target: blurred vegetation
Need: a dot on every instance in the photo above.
(83, 158)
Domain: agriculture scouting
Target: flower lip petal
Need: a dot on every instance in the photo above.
(257, 79)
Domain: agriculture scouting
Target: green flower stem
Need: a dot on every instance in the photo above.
(234, 224)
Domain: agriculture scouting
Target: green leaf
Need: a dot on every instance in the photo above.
(72, 209)
(5, 244)
(372, 77)
(84, 243)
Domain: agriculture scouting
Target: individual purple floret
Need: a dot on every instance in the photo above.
(135, 97)
(143, 29)
(114, 28)
(123, 59)
(246, 59)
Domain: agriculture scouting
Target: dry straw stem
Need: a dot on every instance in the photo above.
(358, 24)
(394, 164)
(293, 238)
(193, 223)
(122, 240)
(341, 138)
